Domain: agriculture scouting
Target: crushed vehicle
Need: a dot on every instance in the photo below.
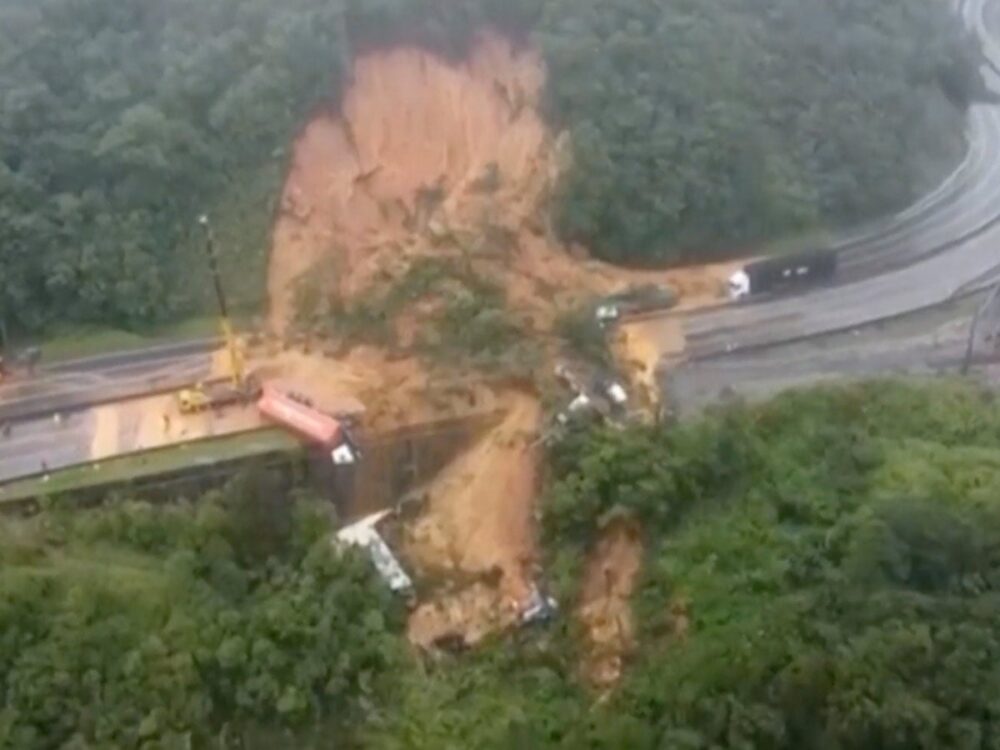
(597, 392)
(365, 535)
(539, 608)
(635, 300)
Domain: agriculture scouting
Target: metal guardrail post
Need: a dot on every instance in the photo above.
(990, 312)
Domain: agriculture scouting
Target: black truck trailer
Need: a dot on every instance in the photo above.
(784, 272)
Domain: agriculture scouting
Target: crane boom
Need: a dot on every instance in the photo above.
(239, 387)
(235, 358)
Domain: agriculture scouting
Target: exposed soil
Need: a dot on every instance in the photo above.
(156, 422)
(465, 616)
(641, 346)
(605, 610)
(478, 522)
(422, 150)
(431, 158)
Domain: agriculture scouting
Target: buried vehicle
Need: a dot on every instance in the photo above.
(538, 609)
(635, 300)
(597, 394)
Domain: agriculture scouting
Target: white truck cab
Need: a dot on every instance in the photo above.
(607, 314)
(343, 455)
(617, 394)
(739, 285)
(365, 535)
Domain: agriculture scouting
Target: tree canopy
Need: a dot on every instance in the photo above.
(835, 554)
(703, 126)
(175, 627)
(695, 125)
(121, 122)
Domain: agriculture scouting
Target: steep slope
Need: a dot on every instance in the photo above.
(412, 238)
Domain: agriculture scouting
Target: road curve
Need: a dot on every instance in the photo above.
(954, 235)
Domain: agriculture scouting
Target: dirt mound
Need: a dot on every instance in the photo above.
(450, 162)
(605, 608)
(464, 617)
(443, 160)
(431, 157)
(422, 149)
(479, 522)
(641, 347)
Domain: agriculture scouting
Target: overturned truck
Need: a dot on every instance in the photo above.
(299, 415)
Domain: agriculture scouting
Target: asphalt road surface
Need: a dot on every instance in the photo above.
(71, 386)
(953, 235)
(946, 243)
(39, 445)
(48, 421)
(926, 343)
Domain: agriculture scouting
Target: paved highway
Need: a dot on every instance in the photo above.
(954, 236)
(74, 385)
(36, 441)
(927, 343)
(38, 445)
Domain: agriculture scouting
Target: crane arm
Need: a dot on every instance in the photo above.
(235, 358)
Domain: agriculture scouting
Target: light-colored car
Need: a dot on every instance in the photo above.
(577, 407)
(633, 301)
(539, 608)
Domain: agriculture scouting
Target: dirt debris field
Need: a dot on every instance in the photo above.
(156, 422)
(641, 346)
(451, 161)
(478, 523)
(605, 609)
(430, 158)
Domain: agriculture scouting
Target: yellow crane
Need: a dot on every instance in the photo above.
(238, 387)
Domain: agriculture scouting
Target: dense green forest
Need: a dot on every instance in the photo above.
(706, 126)
(837, 552)
(695, 125)
(180, 627)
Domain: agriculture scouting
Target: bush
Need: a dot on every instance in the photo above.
(583, 335)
